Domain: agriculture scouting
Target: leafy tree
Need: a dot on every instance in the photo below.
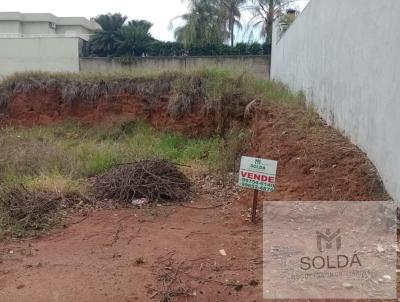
(265, 12)
(230, 9)
(203, 24)
(105, 42)
(135, 38)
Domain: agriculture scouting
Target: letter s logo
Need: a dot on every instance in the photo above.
(305, 265)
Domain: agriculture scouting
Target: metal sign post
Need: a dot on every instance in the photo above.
(254, 210)
(257, 174)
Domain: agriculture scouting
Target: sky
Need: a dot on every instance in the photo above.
(159, 12)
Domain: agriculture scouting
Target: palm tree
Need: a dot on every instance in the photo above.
(265, 12)
(203, 24)
(105, 42)
(135, 38)
(231, 11)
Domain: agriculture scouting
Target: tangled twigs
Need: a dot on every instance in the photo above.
(156, 180)
(24, 211)
(169, 275)
(169, 295)
(27, 209)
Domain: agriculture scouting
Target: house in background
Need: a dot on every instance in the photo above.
(42, 42)
(17, 25)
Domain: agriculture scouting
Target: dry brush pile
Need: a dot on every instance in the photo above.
(155, 180)
(28, 212)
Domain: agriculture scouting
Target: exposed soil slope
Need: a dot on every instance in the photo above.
(178, 102)
(140, 255)
(316, 162)
(47, 108)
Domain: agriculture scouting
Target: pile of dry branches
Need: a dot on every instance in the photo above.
(156, 180)
(23, 210)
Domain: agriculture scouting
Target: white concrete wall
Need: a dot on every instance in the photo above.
(72, 29)
(10, 27)
(37, 28)
(344, 55)
(38, 54)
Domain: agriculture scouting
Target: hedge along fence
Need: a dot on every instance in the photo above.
(172, 49)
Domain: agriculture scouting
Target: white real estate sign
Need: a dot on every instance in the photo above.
(257, 173)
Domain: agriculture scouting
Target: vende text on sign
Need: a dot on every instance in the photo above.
(257, 173)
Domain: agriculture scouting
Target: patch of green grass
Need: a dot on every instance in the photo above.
(225, 158)
(35, 155)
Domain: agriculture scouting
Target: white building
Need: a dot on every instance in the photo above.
(42, 42)
(17, 25)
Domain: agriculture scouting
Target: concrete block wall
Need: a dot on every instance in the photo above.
(38, 54)
(344, 55)
(256, 65)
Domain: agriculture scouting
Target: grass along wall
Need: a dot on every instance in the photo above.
(254, 65)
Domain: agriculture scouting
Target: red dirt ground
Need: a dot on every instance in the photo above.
(97, 259)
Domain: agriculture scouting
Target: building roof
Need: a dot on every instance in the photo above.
(46, 17)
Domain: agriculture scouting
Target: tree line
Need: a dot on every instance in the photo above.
(208, 28)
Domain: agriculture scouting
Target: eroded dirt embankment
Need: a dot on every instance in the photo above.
(130, 255)
(315, 161)
(46, 107)
(186, 103)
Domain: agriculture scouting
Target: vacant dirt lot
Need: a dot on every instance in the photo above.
(137, 255)
(176, 252)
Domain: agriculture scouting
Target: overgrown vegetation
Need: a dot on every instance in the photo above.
(233, 145)
(208, 85)
(54, 163)
(57, 163)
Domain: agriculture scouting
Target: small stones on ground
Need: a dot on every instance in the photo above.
(380, 248)
(140, 201)
(347, 285)
(222, 252)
